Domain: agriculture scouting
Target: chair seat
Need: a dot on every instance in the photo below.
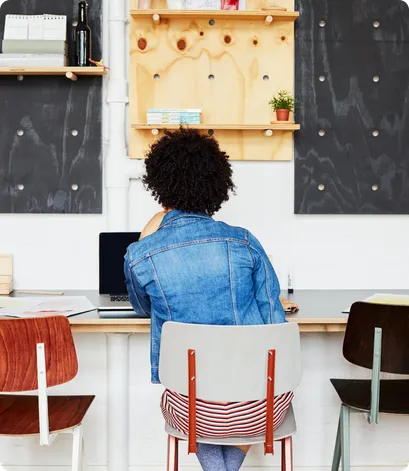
(286, 429)
(19, 414)
(356, 393)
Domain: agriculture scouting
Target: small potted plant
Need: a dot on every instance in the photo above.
(282, 103)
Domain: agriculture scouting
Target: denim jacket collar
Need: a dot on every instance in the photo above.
(175, 214)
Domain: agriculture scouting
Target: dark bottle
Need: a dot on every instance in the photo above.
(82, 37)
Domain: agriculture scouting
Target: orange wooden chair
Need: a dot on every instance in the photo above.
(34, 355)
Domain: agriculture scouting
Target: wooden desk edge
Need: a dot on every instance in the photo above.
(142, 326)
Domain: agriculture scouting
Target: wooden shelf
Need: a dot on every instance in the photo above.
(67, 71)
(225, 127)
(225, 14)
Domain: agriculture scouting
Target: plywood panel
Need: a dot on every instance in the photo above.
(361, 173)
(246, 61)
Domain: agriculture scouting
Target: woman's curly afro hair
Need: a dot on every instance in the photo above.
(186, 170)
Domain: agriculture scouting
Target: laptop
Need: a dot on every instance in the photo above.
(113, 295)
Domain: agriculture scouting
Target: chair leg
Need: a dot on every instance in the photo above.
(77, 448)
(345, 441)
(173, 453)
(287, 454)
(336, 460)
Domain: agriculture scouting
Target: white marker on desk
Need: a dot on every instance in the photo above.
(290, 283)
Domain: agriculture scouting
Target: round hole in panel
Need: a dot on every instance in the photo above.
(375, 187)
(321, 78)
(321, 132)
(212, 22)
(201, 33)
(210, 132)
(20, 187)
(156, 77)
(322, 23)
(376, 24)
(74, 187)
(321, 187)
(266, 78)
(375, 133)
(376, 78)
(20, 78)
(20, 132)
(211, 77)
(74, 132)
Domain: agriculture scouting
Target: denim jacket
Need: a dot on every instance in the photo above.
(196, 270)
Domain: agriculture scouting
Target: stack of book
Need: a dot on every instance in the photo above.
(173, 116)
(34, 41)
(6, 274)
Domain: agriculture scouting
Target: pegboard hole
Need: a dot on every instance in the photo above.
(20, 132)
(283, 38)
(20, 78)
(375, 187)
(266, 78)
(210, 132)
(74, 132)
(201, 33)
(211, 77)
(375, 133)
(75, 23)
(20, 187)
(74, 187)
(321, 187)
(255, 42)
(322, 23)
(212, 22)
(156, 77)
(376, 24)
(376, 78)
(321, 132)
(321, 78)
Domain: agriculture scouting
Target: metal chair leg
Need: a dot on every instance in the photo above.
(173, 454)
(345, 441)
(77, 448)
(336, 460)
(287, 454)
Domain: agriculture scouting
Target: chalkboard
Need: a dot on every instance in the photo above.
(352, 80)
(50, 129)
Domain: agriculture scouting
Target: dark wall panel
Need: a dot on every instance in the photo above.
(47, 161)
(349, 170)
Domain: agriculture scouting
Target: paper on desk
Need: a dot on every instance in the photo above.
(34, 306)
(385, 298)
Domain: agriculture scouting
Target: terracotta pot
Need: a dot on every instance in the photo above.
(282, 115)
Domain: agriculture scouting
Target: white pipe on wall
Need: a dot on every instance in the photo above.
(118, 168)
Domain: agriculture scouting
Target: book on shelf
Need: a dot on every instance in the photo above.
(174, 110)
(33, 60)
(34, 46)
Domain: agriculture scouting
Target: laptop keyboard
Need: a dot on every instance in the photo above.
(120, 298)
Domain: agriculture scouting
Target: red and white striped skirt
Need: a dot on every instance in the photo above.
(223, 419)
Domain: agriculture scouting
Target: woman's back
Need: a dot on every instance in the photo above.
(196, 270)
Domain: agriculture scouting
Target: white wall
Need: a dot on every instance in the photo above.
(61, 251)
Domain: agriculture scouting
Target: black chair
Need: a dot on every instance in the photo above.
(376, 338)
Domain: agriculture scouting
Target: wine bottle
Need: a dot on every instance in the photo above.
(82, 37)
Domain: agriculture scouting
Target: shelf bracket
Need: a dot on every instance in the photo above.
(156, 18)
(268, 20)
(71, 76)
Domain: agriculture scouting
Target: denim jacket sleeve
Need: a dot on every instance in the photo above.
(139, 299)
(266, 285)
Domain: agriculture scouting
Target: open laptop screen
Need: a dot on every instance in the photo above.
(112, 249)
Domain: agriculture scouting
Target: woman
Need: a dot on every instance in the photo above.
(189, 268)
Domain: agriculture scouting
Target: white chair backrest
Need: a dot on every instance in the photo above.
(231, 361)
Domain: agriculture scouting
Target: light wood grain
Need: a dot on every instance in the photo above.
(184, 51)
(52, 70)
(6, 265)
